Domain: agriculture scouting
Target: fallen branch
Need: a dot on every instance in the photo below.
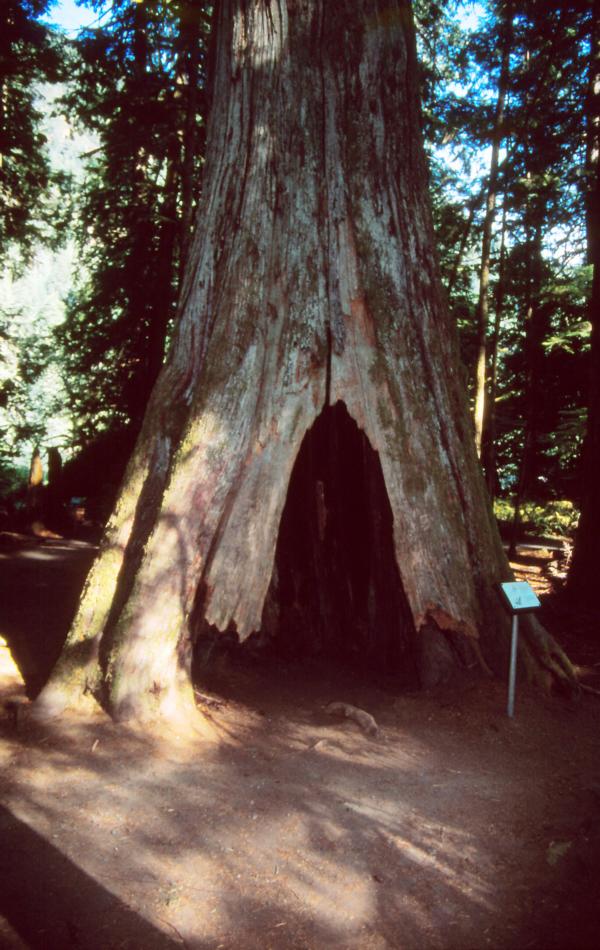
(364, 719)
(174, 929)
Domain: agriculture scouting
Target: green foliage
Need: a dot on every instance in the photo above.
(12, 478)
(556, 519)
(136, 90)
(34, 215)
(31, 391)
(30, 55)
(136, 85)
(541, 302)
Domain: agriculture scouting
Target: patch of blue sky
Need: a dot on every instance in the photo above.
(471, 15)
(71, 17)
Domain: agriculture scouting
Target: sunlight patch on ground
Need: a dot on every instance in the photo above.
(9, 671)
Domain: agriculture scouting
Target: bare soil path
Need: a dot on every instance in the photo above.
(452, 828)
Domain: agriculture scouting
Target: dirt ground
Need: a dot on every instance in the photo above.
(454, 827)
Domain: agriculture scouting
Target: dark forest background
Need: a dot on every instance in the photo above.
(102, 136)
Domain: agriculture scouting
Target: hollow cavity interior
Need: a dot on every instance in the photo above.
(336, 589)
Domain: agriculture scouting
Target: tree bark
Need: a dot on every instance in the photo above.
(312, 281)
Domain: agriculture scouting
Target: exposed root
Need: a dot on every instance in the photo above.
(547, 655)
(55, 700)
(173, 715)
(474, 644)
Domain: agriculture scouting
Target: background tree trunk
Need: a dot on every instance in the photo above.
(312, 281)
(474, 204)
(536, 331)
(192, 22)
(489, 448)
(35, 485)
(583, 576)
(486, 242)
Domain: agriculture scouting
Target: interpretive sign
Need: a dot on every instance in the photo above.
(519, 597)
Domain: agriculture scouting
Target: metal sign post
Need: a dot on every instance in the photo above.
(512, 671)
(519, 598)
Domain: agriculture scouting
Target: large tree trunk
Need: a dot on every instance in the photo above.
(312, 281)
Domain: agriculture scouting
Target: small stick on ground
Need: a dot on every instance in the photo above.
(589, 689)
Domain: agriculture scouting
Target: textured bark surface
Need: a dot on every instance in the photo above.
(312, 281)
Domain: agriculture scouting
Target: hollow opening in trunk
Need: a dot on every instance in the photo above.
(335, 596)
(336, 590)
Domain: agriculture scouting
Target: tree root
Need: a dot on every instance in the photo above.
(55, 700)
(172, 713)
(546, 655)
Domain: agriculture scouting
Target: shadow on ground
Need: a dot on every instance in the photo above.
(50, 902)
(40, 583)
(453, 828)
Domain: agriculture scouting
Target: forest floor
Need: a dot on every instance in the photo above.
(454, 827)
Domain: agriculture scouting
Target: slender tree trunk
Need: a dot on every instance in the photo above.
(141, 351)
(191, 25)
(35, 486)
(161, 304)
(536, 329)
(468, 225)
(486, 242)
(583, 576)
(490, 427)
(312, 282)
